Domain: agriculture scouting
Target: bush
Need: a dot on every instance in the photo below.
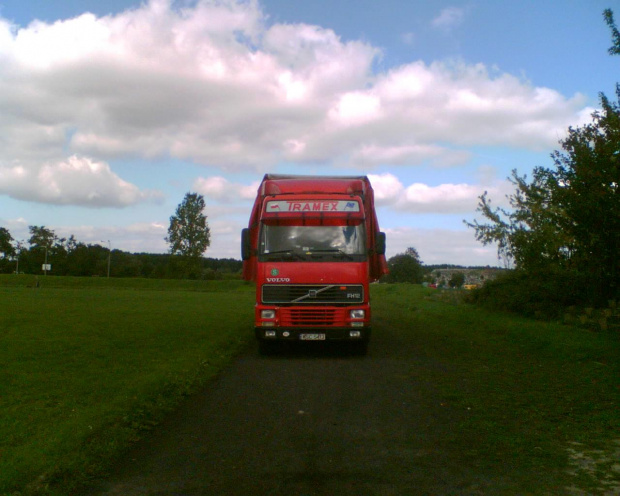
(404, 268)
(540, 295)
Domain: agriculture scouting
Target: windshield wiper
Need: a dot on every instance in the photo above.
(289, 252)
(333, 251)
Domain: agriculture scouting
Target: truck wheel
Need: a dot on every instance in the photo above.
(267, 348)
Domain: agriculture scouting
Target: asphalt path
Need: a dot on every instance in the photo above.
(311, 421)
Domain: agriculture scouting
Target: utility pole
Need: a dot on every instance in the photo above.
(19, 252)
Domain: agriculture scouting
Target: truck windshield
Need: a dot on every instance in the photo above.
(313, 243)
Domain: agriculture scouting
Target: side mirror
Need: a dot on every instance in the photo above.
(380, 244)
(246, 251)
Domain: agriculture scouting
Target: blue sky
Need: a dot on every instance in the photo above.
(110, 112)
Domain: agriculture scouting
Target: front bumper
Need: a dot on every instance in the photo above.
(298, 334)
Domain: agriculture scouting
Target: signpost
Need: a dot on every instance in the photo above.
(46, 266)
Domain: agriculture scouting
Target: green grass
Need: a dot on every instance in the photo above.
(88, 365)
(523, 391)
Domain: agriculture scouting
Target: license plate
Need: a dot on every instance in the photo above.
(312, 337)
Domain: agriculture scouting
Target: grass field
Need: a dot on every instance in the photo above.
(537, 402)
(90, 365)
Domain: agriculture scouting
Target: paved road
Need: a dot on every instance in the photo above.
(309, 422)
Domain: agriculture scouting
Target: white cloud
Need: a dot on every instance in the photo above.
(215, 84)
(441, 199)
(440, 246)
(148, 237)
(141, 237)
(221, 189)
(373, 155)
(449, 18)
(356, 108)
(75, 181)
(408, 38)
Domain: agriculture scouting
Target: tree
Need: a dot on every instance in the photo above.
(615, 34)
(41, 237)
(567, 219)
(457, 280)
(7, 250)
(413, 253)
(6, 243)
(189, 234)
(405, 267)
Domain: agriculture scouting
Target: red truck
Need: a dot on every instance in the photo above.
(313, 245)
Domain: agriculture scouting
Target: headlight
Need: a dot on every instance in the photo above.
(357, 314)
(267, 314)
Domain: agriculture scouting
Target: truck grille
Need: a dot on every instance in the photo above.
(311, 317)
(309, 294)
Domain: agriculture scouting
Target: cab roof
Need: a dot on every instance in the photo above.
(280, 184)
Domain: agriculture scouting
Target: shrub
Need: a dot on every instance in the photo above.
(540, 295)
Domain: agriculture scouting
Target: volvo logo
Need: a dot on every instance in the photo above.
(313, 293)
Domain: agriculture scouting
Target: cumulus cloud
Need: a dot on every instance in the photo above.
(215, 84)
(75, 181)
(449, 18)
(221, 189)
(149, 237)
(439, 246)
(441, 199)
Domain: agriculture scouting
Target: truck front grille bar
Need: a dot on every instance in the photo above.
(312, 294)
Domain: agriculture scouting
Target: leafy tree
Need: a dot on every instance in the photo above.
(6, 243)
(405, 267)
(69, 244)
(615, 34)
(189, 234)
(567, 219)
(457, 280)
(41, 237)
(413, 253)
(7, 250)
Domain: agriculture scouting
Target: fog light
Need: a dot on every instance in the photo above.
(357, 324)
(270, 334)
(286, 334)
(357, 314)
(267, 314)
(355, 334)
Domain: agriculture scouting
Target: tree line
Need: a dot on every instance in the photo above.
(70, 257)
(189, 237)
